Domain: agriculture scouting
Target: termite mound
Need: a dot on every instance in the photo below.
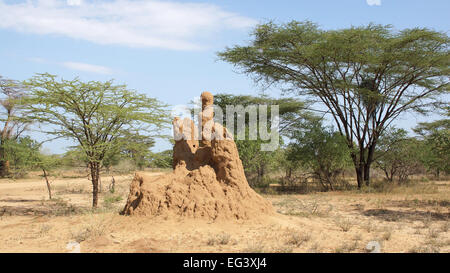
(207, 181)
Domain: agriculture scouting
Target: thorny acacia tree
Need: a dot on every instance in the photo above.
(365, 76)
(95, 114)
(14, 123)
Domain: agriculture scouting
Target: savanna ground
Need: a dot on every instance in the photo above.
(411, 218)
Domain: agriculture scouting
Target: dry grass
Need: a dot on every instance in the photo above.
(96, 227)
(254, 247)
(410, 218)
(345, 224)
(309, 208)
(296, 238)
(219, 239)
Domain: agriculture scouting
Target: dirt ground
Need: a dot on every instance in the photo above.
(412, 218)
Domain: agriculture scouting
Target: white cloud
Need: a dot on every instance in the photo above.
(37, 60)
(88, 67)
(139, 23)
(91, 68)
(373, 2)
(74, 2)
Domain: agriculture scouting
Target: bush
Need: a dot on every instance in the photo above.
(125, 166)
(322, 150)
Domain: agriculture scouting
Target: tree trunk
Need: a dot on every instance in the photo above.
(367, 174)
(389, 174)
(48, 184)
(4, 166)
(330, 182)
(359, 176)
(370, 153)
(95, 170)
(358, 163)
(289, 173)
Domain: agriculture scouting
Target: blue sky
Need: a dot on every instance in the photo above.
(166, 49)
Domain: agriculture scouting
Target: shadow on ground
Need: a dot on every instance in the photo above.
(45, 209)
(396, 215)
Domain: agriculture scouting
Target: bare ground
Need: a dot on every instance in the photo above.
(406, 219)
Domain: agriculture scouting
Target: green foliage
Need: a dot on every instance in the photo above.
(24, 155)
(258, 163)
(398, 155)
(438, 155)
(21, 154)
(321, 150)
(436, 136)
(74, 157)
(137, 148)
(162, 159)
(133, 147)
(365, 76)
(98, 115)
(111, 199)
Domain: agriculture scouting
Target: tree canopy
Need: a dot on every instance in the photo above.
(365, 76)
(95, 114)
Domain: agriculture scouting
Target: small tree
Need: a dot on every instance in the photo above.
(46, 163)
(436, 136)
(398, 155)
(24, 154)
(321, 150)
(21, 154)
(95, 114)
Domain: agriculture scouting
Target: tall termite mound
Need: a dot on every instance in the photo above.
(208, 179)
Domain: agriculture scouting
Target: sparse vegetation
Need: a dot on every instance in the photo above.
(219, 239)
(296, 238)
(344, 224)
(254, 247)
(342, 177)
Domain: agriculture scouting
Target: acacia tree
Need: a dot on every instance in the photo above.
(365, 76)
(14, 123)
(95, 114)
